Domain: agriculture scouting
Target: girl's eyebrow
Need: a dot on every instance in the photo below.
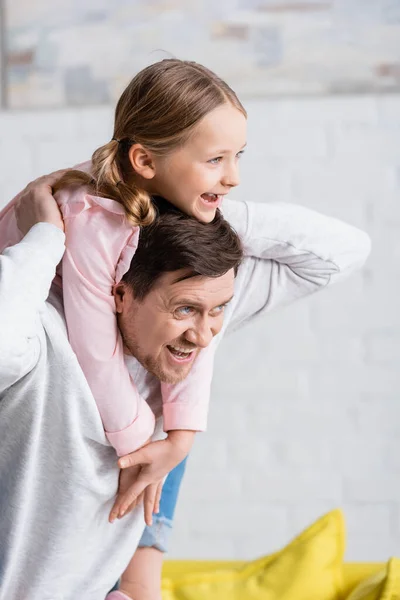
(226, 151)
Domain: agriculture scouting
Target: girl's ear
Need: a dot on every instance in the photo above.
(142, 161)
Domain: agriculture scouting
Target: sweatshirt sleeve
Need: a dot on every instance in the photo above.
(291, 252)
(99, 246)
(27, 270)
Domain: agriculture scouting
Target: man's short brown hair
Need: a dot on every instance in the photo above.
(176, 241)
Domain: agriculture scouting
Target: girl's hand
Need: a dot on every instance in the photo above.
(154, 461)
(36, 204)
(150, 496)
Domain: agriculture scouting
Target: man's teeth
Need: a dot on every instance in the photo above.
(180, 351)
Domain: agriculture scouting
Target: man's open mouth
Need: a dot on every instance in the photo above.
(181, 354)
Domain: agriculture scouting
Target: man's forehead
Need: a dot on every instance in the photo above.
(180, 285)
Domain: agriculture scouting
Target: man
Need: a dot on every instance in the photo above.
(58, 473)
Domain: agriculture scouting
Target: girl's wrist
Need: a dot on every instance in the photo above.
(182, 439)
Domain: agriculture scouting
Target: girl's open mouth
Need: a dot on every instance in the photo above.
(212, 200)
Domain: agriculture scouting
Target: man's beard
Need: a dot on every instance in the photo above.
(153, 365)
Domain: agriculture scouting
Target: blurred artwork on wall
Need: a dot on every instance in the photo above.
(83, 52)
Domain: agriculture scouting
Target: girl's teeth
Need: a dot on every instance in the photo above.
(210, 197)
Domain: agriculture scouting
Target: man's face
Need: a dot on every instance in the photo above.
(177, 319)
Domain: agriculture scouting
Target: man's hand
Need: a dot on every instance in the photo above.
(154, 461)
(36, 204)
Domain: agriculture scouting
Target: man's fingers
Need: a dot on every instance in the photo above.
(50, 179)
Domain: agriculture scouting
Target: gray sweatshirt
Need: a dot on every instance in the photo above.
(58, 474)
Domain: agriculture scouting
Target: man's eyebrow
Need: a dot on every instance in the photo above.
(194, 302)
(186, 302)
(227, 301)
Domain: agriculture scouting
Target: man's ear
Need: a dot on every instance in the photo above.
(142, 161)
(119, 293)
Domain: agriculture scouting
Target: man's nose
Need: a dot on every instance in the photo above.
(201, 334)
(231, 176)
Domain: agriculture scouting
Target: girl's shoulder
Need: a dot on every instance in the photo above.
(99, 223)
(73, 201)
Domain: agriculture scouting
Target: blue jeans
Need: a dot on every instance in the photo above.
(158, 534)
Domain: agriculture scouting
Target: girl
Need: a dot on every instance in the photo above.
(179, 131)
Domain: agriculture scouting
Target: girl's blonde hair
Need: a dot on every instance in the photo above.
(159, 109)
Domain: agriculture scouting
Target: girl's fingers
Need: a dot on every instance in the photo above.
(150, 496)
(133, 505)
(158, 498)
(131, 495)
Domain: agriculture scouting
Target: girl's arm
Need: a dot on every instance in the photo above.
(185, 404)
(100, 245)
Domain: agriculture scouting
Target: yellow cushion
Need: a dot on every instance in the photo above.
(309, 568)
(384, 585)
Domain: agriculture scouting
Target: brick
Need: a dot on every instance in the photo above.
(201, 486)
(289, 141)
(294, 487)
(206, 546)
(368, 518)
(16, 161)
(97, 123)
(371, 547)
(340, 188)
(372, 488)
(380, 414)
(41, 124)
(382, 348)
(51, 155)
(303, 514)
(359, 142)
(235, 516)
(363, 455)
(388, 108)
(260, 542)
(323, 110)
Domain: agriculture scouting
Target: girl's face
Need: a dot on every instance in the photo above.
(196, 177)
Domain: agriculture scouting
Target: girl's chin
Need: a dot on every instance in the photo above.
(204, 214)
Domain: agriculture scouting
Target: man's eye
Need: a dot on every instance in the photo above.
(184, 310)
(215, 161)
(219, 309)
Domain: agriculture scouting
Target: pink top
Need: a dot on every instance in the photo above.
(100, 245)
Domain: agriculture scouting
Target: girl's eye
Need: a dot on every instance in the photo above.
(215, 161)
(184, 311)
(239, 154)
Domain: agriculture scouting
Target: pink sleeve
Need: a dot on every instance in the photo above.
(185, 404)
(99, 247)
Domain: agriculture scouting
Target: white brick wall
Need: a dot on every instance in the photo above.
(316, 423)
